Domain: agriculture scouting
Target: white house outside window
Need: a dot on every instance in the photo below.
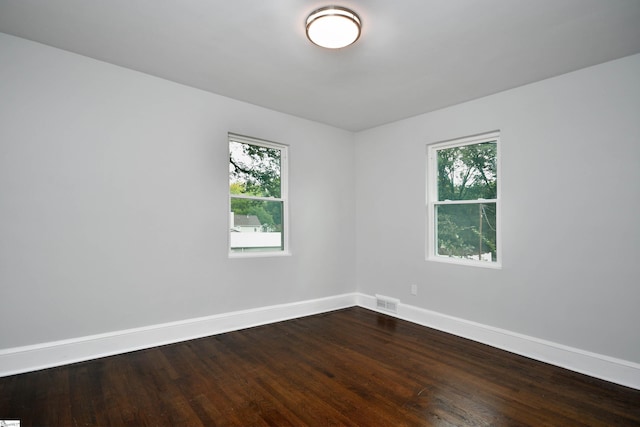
(257, 197)
(463, 201)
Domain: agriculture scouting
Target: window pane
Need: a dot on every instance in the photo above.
(256, 225)
(467, 172)
(466, 231)
(254, 170)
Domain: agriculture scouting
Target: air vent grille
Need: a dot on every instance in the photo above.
(387, 303)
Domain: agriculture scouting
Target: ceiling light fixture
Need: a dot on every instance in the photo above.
(333, 27)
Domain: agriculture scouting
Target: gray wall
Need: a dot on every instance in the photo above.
(571, 211)
(113, 210)
(113, 201)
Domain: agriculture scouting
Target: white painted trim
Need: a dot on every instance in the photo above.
(608, 368)
(46, 355)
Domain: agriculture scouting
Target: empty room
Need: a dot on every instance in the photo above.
(305, 213)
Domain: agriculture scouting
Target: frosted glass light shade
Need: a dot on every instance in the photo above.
(333, 27)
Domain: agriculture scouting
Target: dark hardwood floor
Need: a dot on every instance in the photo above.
(352, 367)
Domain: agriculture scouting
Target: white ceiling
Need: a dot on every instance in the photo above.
(414, 56)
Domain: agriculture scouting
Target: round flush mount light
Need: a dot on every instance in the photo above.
(333, 27)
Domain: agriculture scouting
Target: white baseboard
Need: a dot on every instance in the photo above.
(596, 365)
(40, 356)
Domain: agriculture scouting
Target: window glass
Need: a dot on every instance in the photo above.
(257, 196)
(463, 201)
(467, 231)
(468, 172)
(254, 170)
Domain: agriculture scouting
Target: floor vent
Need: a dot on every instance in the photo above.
(387, 303)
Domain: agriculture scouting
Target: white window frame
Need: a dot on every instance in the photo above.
(432, 200)
(284, 197)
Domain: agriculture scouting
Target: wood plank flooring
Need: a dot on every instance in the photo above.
(351, 367)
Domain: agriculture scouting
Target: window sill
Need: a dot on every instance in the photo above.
(466, 263)
(259, 254)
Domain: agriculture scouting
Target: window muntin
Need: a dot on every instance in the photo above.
(463, 201)
(257, 197)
